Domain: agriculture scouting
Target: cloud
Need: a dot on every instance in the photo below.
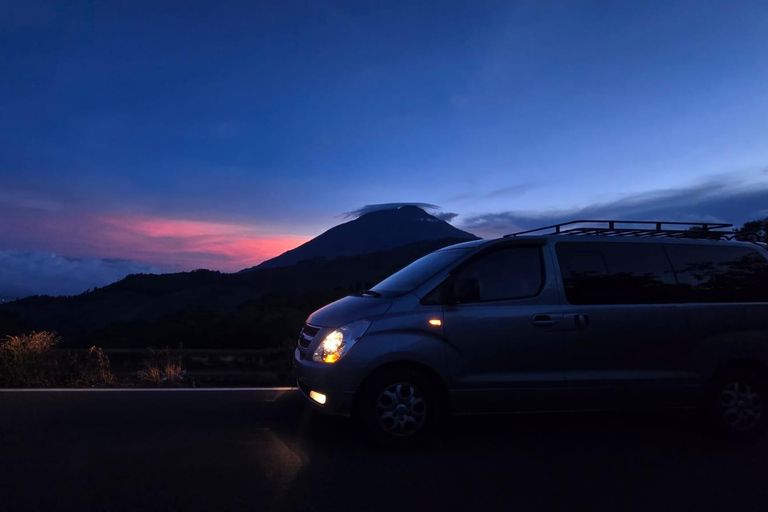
(36, 273)
(26, 199)
(511, 191)
(431, 208)
(169, 243)
(385, 206)
(717, 200)
(191, 244)
(446, 216)
(462, 197)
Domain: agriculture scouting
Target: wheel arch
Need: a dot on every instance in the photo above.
(440, 383)
(743, 363)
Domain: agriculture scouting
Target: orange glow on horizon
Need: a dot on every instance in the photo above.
(190, 244)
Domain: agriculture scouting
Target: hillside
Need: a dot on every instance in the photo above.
(375, 231)
(203, 309)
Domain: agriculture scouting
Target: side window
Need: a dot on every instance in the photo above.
(711, 273)
(585, 274)
(616, 273)
(504, 274)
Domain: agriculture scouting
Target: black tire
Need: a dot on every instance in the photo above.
(400, 407)
(738, 405)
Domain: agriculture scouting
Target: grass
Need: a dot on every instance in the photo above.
(37, 359)
(161, 369)
(30, 360)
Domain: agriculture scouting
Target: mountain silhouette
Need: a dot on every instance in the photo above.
(261, 307)
(204, 309)
(374, 231)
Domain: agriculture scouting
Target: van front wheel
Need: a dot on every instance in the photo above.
(399, 407)
(738, 404)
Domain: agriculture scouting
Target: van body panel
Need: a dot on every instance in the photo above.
(498, 357)
(492, 357)
(349, 309)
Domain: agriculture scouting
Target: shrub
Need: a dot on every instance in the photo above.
(161, 369)
(95, 369)
(27, 359)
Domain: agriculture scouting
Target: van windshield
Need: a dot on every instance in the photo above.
(418, 272)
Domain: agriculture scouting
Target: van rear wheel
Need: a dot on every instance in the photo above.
(738, 403)
(399, 407)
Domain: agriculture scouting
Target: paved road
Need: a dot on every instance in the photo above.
(263, 450)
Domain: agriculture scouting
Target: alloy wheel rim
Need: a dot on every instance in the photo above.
(741, 405)
(401, 409)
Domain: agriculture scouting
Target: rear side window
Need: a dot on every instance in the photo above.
(505, 274)
(616, 273)
(709, 273)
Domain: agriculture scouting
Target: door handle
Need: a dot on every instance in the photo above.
(543, 320)
(581, 321)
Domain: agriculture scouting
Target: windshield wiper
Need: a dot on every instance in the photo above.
(371, 293)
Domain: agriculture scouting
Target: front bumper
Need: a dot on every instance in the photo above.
(331, 381)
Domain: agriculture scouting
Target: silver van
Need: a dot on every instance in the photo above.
(587, 315)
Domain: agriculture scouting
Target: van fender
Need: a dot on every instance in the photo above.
(417, 346)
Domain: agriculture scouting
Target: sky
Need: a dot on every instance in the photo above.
(163, 136)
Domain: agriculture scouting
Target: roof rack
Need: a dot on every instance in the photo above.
(636, 228)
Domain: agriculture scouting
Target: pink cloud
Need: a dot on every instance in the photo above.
(194, 244)
(170, 243)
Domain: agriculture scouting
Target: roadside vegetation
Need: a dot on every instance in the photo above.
(38, 359)
(162, 369)
(31, 360)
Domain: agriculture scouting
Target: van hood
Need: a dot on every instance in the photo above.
(349, 309)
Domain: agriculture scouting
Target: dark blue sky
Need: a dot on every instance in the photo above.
(186, 134)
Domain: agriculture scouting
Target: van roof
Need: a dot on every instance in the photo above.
(467, 245)
(599, 238)
(623, 239)
(633, 231)
(636, 229)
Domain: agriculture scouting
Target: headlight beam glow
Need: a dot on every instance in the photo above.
(317, 397)
(339, 341)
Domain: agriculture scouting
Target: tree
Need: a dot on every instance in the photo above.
(755, 230)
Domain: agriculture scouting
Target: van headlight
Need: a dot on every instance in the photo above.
(338, 342)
